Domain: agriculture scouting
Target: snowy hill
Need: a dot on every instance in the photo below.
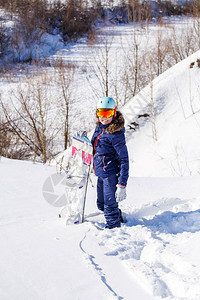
(154, 255)
(176, 95)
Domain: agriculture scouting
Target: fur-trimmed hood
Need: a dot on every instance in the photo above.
(115, 125)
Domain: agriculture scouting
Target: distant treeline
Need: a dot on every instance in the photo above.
(74, 18)
(35, 122)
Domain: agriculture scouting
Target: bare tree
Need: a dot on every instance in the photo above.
(160, 51)
(4, 144)
(153, 120)
(196, 22)
(100, 66)
(109, 71)
(182, 44)
(64, 80)
(132, 68)
(30, 118)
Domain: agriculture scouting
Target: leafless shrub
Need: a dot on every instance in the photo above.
(37, 115)
(5, 138)
(64, 78)
(159, 53)
(73, 19)
(29, 118)
(196, 22)
(132, 69)
(100, 66)
(182, 44)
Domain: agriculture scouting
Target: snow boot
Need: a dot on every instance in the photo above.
(120, 216)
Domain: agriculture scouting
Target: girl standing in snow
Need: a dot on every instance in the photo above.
(111, 163)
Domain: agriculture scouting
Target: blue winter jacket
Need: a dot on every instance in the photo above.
(110, 151)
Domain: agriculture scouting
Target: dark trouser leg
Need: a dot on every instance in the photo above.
(111, 210)
(100, 196)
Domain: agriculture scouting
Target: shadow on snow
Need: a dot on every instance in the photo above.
(169, 222)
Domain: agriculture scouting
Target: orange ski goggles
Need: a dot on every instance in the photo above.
(105, 112)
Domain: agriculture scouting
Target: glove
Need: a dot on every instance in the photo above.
(81, 133)
(120, 193)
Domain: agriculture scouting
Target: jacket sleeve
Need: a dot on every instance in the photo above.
(119, 144)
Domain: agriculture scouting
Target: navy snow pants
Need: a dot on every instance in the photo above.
(106, 201)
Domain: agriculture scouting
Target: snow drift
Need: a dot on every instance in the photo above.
(176, 96)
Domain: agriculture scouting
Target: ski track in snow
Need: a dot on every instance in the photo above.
(147, 249)
(98, 270)
(154, 255)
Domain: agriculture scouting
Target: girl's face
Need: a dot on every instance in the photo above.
(106, 121)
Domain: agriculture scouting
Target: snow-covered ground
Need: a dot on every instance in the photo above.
(176, 96)
(154, 255)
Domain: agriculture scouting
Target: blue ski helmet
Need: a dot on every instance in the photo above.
(106, 102)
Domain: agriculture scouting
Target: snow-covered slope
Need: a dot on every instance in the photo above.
(154, 255)
(176, 96)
